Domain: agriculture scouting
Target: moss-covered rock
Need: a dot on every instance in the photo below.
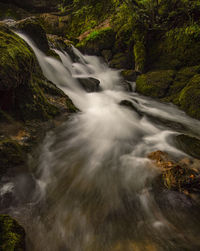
(12, 235)
(155, 84)
(120, 61)
(130, 75)
(21, 81)
(189, 98)
(32, 27)
(189, 144)
(97, 41)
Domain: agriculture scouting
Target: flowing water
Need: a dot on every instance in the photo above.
(93, 187)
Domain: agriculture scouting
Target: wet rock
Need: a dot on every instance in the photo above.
(89, 84)
(32, 27)
(155, 84)
(97, 41)
(130, 75)
(188, 144)
(120, 61)
(182, 175)
(131, 106)
(12, 235)
(23, 87)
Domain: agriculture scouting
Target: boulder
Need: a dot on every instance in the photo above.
(31, 26)
(97, 41)
(89, 84)
(130, 75)
(22, 85)
(155, 84)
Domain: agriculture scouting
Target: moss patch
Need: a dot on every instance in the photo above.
(155, 84)
(12, 235)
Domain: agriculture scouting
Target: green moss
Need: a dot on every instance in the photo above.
(16, 60)
(189, 98)
(174, 49)
(70, 106)
(97, 41)
(155, 84)
(12, 235)
(120, 61)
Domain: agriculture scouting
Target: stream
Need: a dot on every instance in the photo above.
(92, 188)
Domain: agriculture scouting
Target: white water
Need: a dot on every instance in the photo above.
(93, 182)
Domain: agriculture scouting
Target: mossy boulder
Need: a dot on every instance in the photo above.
(189, 98)
(155, 84)
(97, 41)
(31, 26)
(130, 75)
(120, 61)
(21, 81)
(12, 235)
(188, 144)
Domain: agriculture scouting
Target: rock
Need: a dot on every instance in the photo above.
(107, 55)
(55, 24)
(131, 106)
(188, 144)
(97, 41)
(89, 84)
(130, 75)
(155, 84)
(60, 43)
(189, 98)
(12, 235)
(182, 176)
(22, 84)
(120, 61)
(32, 27)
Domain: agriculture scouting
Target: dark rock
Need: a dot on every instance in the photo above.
(189, 144)
(130, 75)
(131, 106)
(89, 84)
(32, 27)
(120, 61)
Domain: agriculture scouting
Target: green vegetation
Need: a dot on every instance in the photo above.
(12, 235)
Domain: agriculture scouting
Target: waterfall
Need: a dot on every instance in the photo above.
(93, 180)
